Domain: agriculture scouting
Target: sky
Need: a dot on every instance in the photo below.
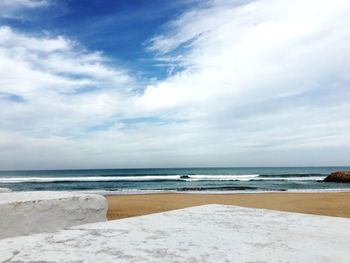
(182, 83)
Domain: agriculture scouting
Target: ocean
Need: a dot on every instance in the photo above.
(211, 180)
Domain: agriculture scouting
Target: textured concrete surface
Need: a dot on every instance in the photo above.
(5, 190)
(23, 213)
(212, 233)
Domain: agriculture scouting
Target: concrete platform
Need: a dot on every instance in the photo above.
(5, 190)
(23, 213)
(212, 233)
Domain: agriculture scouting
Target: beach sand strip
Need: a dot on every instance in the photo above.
(329, 204)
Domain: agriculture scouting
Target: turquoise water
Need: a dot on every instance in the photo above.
(175, 179)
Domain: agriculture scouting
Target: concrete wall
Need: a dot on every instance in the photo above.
(23, 213)
(5, 190)
(212, 233)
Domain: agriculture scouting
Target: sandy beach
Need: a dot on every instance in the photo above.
(329, 204)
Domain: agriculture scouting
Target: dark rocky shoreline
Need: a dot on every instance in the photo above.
(338, 177)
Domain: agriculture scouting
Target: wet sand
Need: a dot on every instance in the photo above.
(329, 204)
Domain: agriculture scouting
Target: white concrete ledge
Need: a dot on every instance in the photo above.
(23, 213)
(5, 190)
(212, 233)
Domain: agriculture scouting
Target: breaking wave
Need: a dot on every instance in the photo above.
(158, 178)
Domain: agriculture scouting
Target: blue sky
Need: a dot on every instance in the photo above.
(120, 29)
(186, 83)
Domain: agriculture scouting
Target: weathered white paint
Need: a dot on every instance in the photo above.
(23, 213)
(212, 233)
(5, 190)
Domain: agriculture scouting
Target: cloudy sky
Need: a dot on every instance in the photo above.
(183, 83)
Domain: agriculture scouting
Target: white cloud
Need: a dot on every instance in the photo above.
(24, 3)
(262, 75)
(63, 88)
(11, 8)
(258, 83)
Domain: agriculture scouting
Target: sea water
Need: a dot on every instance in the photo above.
(242, 179)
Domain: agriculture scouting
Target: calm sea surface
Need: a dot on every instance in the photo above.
(175, 179)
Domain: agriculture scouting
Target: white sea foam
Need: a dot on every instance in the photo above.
(128, 178)
(310, 178)
(86, 179)
(199, 177)
(257, 191)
